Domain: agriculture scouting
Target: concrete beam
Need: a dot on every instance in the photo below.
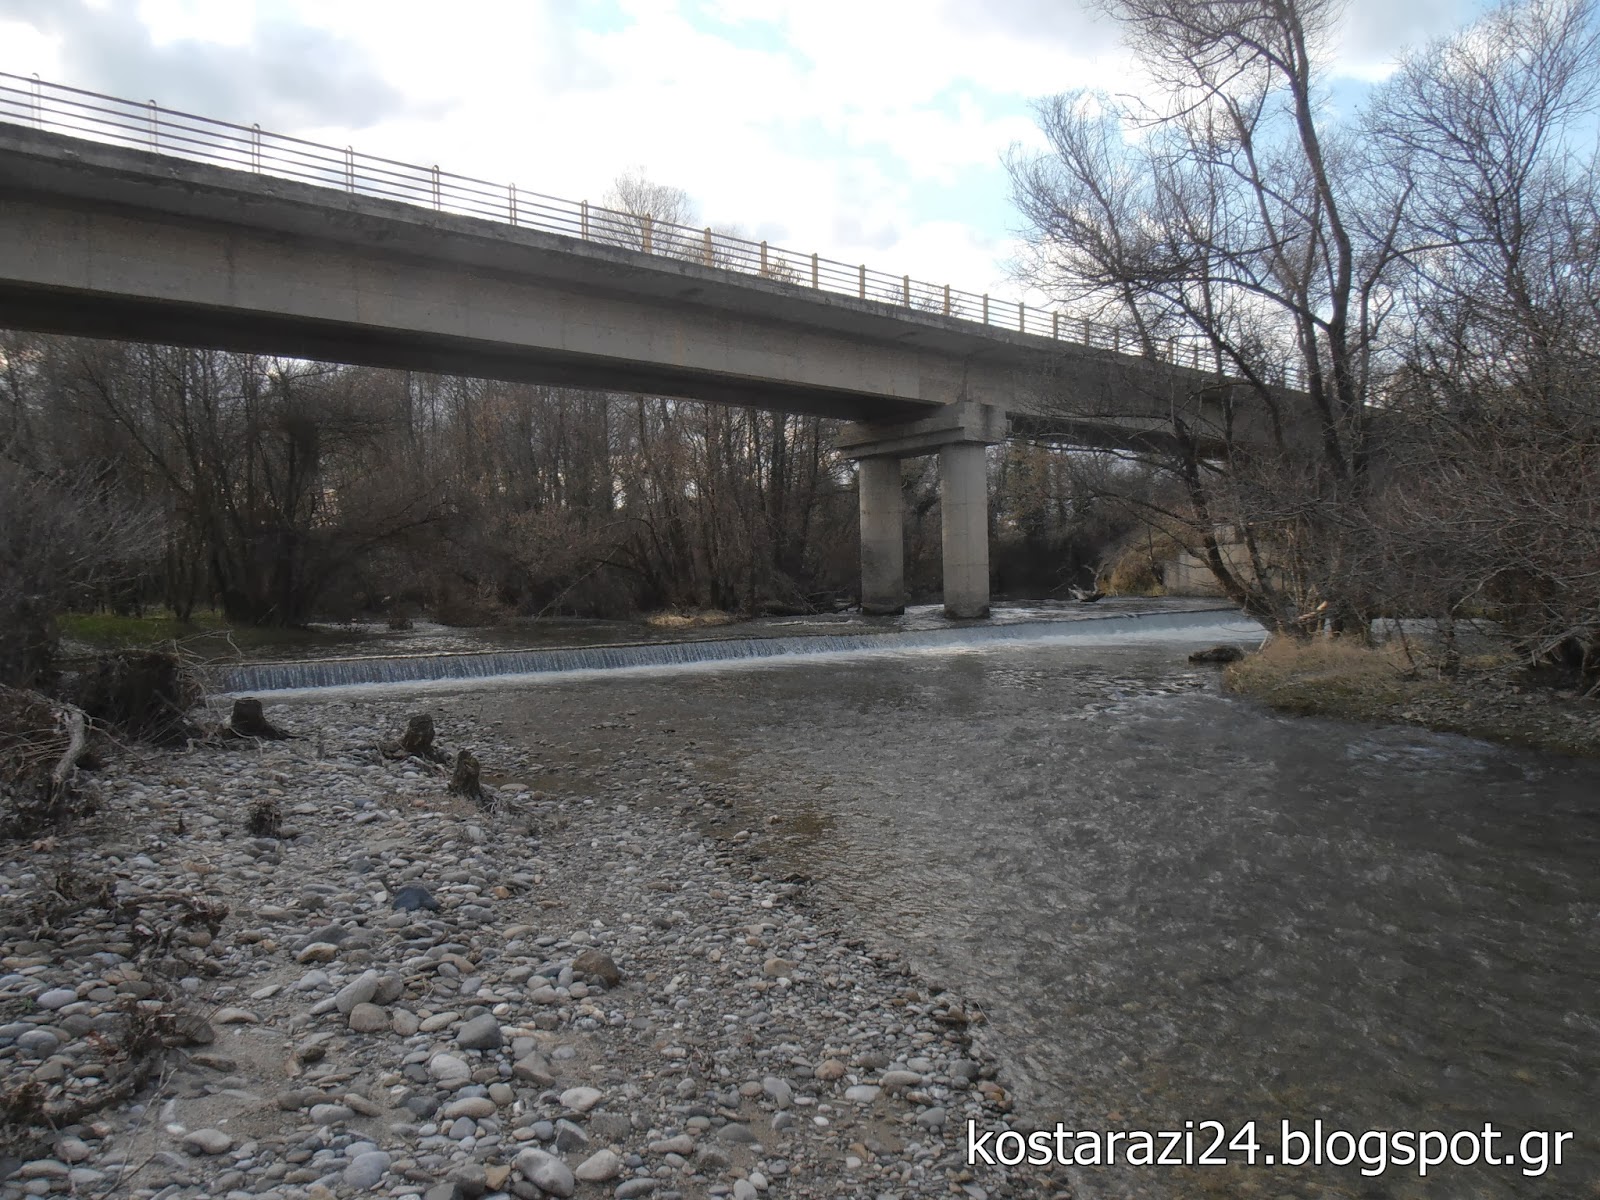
(963, 422)
(883, 551)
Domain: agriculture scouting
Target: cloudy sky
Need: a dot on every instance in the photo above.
(869, 130)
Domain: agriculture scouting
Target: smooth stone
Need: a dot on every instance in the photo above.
(475, 1107)
(208, 1141)
(599, 1167)
(56, 998)
(580, 1099)
(365, 1170)
(480, 1033)
(447, 1067)
(862, 1093)
(546, 1172)
(413, 897)
(359, 990)
(368, 1018)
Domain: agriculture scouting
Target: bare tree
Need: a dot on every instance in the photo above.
(1499, 505)
(1223, 211)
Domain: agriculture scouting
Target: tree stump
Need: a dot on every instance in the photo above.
(417, 740)
(464, 782)
(248, 720)
(418, 737)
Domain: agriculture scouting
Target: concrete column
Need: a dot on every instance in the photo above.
(883, 547)
(964, 501)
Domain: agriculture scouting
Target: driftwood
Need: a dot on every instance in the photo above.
(1085, 595)
(42, 742)
(248, 720)
(77, 727)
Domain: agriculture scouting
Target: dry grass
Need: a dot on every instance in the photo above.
(697, 618)
(1490, 697)
(1308, 676)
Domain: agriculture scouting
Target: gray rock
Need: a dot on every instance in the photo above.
(359, 990)
(207, 1141)
(413, 897)
(365, 1170)
(368, 1018)
(599, 1167)
(546, 1172)
(56, 998)
(447, 1068)
(38, 1043)
(480, 1033)
(580, 1099)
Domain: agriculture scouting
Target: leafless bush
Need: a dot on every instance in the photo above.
(62, 540)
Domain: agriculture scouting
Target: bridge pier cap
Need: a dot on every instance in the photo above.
(958, 433)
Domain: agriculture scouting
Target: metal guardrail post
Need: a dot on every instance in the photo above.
(38, 101)
(905, 290)
(437, 204)
(647, 224)
(763, 256)
(511, 195)
(986, 308)
(947, 299)
(863, 287)
(583, 219)
(1022, 318)
(155, 124)
(1116, 340)
(813, 268)
(1055, 326)
(1087, 340)
(350, 170)
(709, 257)
(255, 147)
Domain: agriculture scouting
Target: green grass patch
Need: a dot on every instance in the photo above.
(208, 634)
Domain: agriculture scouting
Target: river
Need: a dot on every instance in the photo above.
(1171, 904)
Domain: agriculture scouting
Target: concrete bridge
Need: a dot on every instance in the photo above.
(110, 241)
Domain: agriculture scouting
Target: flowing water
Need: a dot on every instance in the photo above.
(1171, 904)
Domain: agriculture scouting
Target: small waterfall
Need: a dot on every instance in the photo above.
(1219, 623)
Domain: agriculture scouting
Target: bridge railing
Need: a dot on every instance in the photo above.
(30, 101)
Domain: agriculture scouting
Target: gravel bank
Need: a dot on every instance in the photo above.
(410, 996)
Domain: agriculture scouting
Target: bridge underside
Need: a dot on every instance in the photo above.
(176, 323)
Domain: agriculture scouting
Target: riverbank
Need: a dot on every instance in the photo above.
(1490, 697)
(373, 987)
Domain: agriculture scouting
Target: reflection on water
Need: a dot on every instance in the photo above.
(1177, 906)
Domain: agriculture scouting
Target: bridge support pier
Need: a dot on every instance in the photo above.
(958, 433)
(964, 508)
(883, 544)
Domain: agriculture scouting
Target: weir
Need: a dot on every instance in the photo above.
(501, 664)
